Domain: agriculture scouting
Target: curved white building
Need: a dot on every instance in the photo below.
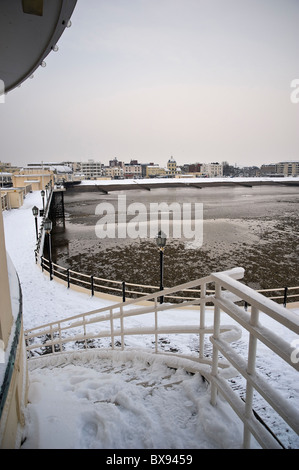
(29, 32)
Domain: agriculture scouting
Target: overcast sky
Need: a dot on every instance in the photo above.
(199, 80)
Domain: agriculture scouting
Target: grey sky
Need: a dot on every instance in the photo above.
(200, 80)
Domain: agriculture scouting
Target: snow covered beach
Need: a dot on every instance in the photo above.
(82, 404)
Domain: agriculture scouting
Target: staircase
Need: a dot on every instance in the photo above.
(217, 359)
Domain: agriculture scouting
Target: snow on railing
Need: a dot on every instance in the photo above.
(217, 367)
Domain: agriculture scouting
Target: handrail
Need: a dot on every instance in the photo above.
(122, 288)
(110, 323)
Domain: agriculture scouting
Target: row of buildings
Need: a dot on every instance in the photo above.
(116, 169)
(15, 181)
(120, 170)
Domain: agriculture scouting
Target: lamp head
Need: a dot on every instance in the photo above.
(48, 225)
(161, 239)
(35, 211)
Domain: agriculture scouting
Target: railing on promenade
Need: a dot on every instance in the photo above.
(122, 289)
(218, 366)
(127, 290)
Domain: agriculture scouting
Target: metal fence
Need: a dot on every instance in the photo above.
(126, 290)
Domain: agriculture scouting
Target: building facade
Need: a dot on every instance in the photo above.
(132, 169)
(38, 178)
(212, 170)
(288, 168)
(172, 167)
(91, 169)
(153, 170)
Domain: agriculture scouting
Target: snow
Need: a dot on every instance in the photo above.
(124, 401)
(188, 180)
(129, 399)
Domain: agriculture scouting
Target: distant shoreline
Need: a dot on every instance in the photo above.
(147, 184)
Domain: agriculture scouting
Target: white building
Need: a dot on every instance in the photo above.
(29, 30)
(91, 169)
(213, 170)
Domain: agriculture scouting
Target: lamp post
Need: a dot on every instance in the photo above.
(35, 213)
(43, 198)
(161, 242)
(48, 228)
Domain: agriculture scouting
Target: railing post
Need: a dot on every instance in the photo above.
(60, 339)
(216, 334)
(122, 328)
(84, 330)
(111, 328)
(285, 296)
(68, 277)
(51, 270)
(52, 338)
(156, 326)
(250, 370)
(92, 285)
(124, 290)
(202, 319)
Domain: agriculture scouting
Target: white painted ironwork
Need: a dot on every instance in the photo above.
(110, 322)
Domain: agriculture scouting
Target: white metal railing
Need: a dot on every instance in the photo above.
(109, 322)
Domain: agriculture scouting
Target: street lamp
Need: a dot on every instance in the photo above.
(48, 228)
(43, 197)
(35, 213)
(161, 242)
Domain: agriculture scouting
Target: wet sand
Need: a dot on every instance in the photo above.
(256, 228)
